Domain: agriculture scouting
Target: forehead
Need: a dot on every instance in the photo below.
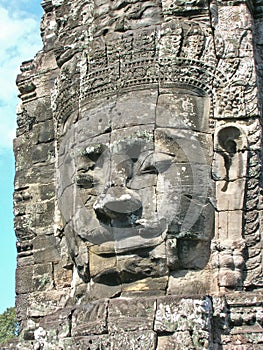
(135, 111)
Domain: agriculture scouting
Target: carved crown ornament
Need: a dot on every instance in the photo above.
(174, 54)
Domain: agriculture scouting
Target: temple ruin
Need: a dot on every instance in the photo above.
(138, 199)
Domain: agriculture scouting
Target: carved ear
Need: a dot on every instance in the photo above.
(230, 144)
(230, 139)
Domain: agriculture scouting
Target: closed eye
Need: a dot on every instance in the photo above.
(149, 170)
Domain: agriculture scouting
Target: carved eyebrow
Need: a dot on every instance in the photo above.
(151, 165)
(149, 169)
(143, 159)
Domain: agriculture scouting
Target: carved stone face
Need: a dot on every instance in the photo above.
(136, 181)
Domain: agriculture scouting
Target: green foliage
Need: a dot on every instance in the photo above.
(8, 325)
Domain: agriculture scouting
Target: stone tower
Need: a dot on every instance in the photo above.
(138, 177)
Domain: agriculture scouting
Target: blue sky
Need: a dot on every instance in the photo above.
(19, 41)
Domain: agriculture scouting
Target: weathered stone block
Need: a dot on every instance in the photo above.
(135, 108)
(62, 276)
(24, 280)
(58, 323)
(224, 229)
(182, 110)
(186, 145)
(99, 264)
(229, 168)
(131, 315)
(131, 266)
(134, 340)
(45, 249)
(88, 343)
(44, 212)
(27, 345)
(230, 195)
(40, 109)
(22, 303)
(99, 118)
(40, 173)
(175, 314)
(47, 191)
(104, 290)
(43, 153)
(90, 319)
(47, 303)
(177, 341)
(46, 132)
(146, 286)
(187, 282)
(25, 261)
(43, 277)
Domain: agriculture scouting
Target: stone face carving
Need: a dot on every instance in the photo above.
(138, 177)
(141, 191)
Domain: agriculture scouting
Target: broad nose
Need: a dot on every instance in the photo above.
(118, 202)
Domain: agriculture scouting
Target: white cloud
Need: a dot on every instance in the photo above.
(19, 41)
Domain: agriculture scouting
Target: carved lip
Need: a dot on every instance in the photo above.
(117, 240)
(146, 234)
(143, 227)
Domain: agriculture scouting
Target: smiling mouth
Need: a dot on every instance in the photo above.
(134, 223)
(118, 219)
